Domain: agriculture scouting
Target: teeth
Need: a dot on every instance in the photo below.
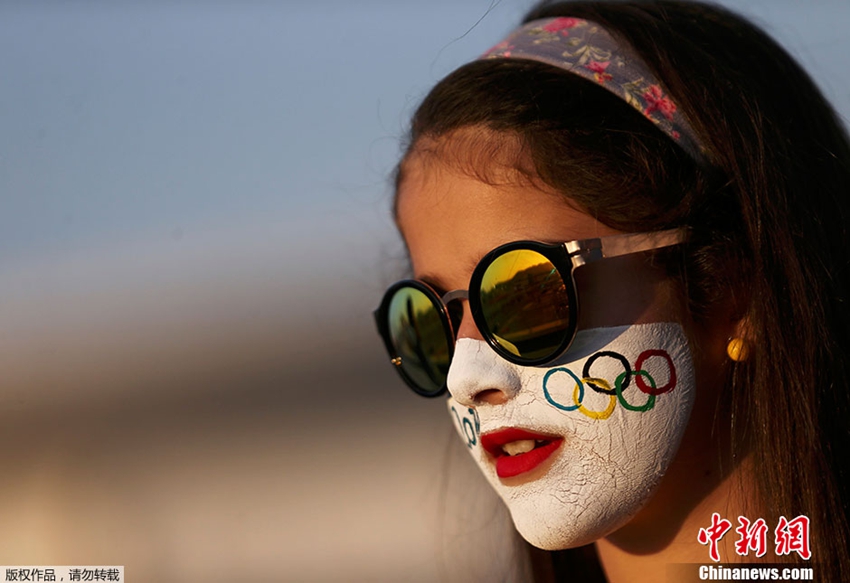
(518, 447)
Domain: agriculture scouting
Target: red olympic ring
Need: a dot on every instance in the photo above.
(671, 382)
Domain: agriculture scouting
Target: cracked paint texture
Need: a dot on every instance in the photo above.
(606, 469)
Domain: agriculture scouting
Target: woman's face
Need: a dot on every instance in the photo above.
(572, 463)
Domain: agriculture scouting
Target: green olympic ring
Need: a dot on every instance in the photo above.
(618, 382)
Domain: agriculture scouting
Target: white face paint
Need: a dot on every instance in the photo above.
(605, 455)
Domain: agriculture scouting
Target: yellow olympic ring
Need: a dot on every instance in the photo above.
(605, 413)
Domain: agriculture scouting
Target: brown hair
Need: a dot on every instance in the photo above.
(768, 216)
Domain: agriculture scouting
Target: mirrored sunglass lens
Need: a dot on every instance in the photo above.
(525, 304)
(419, 338)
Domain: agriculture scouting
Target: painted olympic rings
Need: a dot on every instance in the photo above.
(606, 412)
(585, 372)
(643, 380)
(650, 402)
(576, 397)
(646, 354)
(465, 425)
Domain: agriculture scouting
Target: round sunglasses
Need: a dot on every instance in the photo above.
(522, 297)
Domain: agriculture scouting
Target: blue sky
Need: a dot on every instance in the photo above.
(125, 123)
(143, 121)
(226, 162)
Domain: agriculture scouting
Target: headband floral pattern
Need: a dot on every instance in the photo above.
(586, 49)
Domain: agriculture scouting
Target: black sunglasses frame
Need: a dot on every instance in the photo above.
(560, 259)
(565, 257)
(382, 322)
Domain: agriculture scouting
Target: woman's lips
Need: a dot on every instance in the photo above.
(517, 440)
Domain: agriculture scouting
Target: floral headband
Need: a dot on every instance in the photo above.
(586, 49)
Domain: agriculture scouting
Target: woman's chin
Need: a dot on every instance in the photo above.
(566, 533)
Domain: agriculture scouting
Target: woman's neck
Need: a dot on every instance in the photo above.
(665, 533)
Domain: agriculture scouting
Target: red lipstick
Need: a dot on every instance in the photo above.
(508, 466)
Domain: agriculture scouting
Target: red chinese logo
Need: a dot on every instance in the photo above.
(711, 535)
(792, 536)
(752, 537)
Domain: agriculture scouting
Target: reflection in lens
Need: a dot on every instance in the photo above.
(525, 303)
(419, 338)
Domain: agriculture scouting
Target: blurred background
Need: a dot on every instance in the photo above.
(194, 229)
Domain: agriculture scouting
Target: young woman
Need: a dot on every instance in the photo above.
(627, 228)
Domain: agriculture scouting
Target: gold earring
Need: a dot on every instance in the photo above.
(738, 349)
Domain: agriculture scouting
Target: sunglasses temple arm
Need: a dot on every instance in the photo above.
(590, 250)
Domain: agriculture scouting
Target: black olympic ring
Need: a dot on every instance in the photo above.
(585, 372)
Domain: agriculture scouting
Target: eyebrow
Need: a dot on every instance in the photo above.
(435, 281)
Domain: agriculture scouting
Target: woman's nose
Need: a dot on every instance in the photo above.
(466, 327)
(479, 376)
